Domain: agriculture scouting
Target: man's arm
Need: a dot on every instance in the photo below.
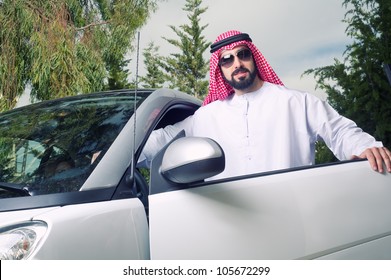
(159, 138)
(345, 139)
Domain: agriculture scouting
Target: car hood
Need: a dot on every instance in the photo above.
(15, 217)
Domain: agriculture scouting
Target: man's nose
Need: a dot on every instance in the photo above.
(237, 62)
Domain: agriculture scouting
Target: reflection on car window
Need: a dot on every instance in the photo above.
(54, 146)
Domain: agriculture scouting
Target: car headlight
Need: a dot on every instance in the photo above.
(17, 242)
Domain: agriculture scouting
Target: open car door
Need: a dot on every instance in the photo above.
(337, 211)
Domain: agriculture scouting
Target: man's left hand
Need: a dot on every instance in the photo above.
(377, 157)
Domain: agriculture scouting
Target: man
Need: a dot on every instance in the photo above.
(262, 125)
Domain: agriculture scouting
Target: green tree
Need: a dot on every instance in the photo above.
(65, 47)
(187, 69)
(155, 77)
(357, 87)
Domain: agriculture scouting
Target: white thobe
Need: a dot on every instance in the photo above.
(269, 129)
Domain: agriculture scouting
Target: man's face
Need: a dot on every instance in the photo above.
(238, 68)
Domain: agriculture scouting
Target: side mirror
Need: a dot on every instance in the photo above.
(192, 159)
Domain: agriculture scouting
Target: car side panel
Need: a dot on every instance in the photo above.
(372, 250)
(115, 229)
(303, 214)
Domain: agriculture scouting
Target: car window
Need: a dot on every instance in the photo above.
(53, 146)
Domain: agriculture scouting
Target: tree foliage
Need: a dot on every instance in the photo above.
(187, 69)
(155, 77)
(62, 48)
(357, 87)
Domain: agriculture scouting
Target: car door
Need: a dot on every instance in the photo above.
(337, 211)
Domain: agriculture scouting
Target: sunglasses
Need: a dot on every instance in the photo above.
(227, 60)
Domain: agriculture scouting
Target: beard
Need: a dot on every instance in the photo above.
(243, 82)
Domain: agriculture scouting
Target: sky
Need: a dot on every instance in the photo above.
(293, 35)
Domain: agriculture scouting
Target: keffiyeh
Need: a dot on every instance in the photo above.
(219, 89)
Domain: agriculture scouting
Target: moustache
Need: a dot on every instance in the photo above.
(240, 70)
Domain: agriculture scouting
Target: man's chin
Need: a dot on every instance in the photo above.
(240, 81)
(241, 85)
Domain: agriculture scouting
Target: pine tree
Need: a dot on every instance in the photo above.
(155, 77)
(358, 87)
(187, 69)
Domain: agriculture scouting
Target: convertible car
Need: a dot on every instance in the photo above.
(70, 188)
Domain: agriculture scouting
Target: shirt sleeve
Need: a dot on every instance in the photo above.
(344, 138)
(159, 138)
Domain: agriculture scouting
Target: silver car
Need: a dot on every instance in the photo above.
(70, 189)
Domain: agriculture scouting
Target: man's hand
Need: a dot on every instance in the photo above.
(377, 157)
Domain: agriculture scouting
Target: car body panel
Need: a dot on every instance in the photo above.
(102, 230)
(377, 249)
(17, 217)
(303, 214)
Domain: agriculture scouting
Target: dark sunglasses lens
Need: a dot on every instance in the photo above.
(227, 60)
(244, 54)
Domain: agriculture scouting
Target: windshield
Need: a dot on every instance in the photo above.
(54, 146)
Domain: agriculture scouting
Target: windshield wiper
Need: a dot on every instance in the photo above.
(15, 188)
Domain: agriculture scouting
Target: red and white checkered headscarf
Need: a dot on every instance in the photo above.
(218, 87)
